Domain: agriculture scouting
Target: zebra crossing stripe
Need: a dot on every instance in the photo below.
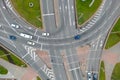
(9, 4)
(48, 72)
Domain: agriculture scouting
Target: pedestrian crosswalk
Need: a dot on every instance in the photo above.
(45, 69)
(48, 72)
(8, 3)
(31, 52)
(94, 19)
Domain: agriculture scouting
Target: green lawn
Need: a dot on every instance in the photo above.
(102, 71)
(114, 36)
(11, 58)
(31, 14)
(116, 72)
(3, 70)
(17, 61)
(84, 12)
(2, 55)
(38, 78)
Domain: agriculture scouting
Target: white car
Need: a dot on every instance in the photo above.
(45, 34)
(101, 43)
(26, 35)
(31, 43)
(81, 30)
(15, 26)
(89, 76)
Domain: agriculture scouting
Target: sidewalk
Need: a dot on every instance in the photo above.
(14, 70)
(18, 72)
(110, 58)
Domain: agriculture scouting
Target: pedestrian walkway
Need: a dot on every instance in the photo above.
(8, 76)
(14, 70)
(48, 72)
(110, 58)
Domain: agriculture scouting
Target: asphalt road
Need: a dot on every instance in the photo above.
(61, 37)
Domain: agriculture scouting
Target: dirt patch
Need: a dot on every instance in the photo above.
(110, 57)
(82, 52)
(29, 75)
(45, 57)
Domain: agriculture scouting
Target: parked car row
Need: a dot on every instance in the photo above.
(92, 76)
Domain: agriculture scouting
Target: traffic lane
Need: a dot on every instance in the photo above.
(39, 71)
(2, 20)
(6, 14)
(93, 56)
(12, 18)
(79, 74)
(50, 23)
(24, 26)
(10, 30)
(76, 74)
(57, 63)
(73, 75)
(107, 27)
(38, 61)
(57, 73)
(3, 34)
(72, 59)
(95, 53)
(14, 50)
(67, 40)
(60, 28)
(21, 49)
(99, 32)
(67, 18)
(10, 47)
(71, 15)
(36, 64)
(64, 12)
(47, 7)
(16, 19)
(64, 17)
(61, 72)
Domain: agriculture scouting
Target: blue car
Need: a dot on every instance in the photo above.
(77, 37)
(12, 37)
(95, 76)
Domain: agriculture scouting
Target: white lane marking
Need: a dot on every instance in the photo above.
(60, 7)
(69, 11)
(73, 62)
(76, 75)
(38, 39)
(25, 55)
(35, 31)
(41, 46)
(49, 14)
(7, 21)
(74, 69)
(65, 7)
